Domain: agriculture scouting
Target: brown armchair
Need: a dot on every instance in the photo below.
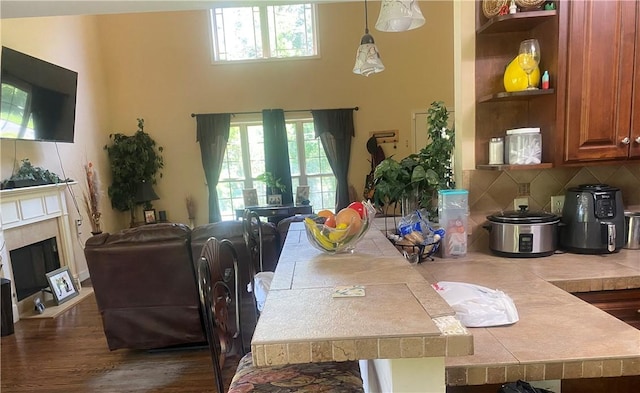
(145, 286)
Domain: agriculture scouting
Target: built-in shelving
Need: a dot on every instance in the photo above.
(497, 41)
(507, 167)
(515, 95)
(521, 21)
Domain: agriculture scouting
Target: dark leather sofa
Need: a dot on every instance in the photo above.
(144, 281)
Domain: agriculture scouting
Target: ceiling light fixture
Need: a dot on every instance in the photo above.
(399, 15)
(367, 57)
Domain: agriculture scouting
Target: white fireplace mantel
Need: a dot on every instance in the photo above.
(26, 208)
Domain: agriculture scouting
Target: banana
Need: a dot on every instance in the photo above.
(320, 239)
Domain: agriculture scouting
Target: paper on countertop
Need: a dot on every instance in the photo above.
(348, 291)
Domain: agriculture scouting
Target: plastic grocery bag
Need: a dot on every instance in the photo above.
(478, 306)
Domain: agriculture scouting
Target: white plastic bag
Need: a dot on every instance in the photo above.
(478, 306)
(263, 284)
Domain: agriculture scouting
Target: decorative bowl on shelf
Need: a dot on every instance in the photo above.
(340, 239)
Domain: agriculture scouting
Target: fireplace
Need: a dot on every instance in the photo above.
(30, 264)
(29, 216)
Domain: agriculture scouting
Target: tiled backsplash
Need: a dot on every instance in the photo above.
(493, 191)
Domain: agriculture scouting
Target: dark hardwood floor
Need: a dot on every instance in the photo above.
(70, 354)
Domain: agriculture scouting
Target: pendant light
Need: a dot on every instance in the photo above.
(367, 57)
(399, 15)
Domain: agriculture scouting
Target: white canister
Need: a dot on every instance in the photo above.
(496, 151)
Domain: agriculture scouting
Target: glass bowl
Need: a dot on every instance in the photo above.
(339, 240)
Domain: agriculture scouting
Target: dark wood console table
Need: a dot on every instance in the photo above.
(277, 213)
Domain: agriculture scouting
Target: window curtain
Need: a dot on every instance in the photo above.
(335, 129)
(276, 150)
(212, 134)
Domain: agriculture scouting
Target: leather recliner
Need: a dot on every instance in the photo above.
(145, 286)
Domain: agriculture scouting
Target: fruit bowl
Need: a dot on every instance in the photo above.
(342, 238)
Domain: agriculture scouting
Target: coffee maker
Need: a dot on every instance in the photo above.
(592, 220)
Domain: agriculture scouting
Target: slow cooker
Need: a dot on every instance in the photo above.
(523, 233)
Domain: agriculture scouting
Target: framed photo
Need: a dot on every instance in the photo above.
(250, 196)
(150, 216)
(274, 199)
(61, 284)
(302, 195)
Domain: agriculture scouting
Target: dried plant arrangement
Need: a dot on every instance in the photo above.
(191, 207)
(92, 198)
(191, 210)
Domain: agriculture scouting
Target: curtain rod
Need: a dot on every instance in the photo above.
(355, 108)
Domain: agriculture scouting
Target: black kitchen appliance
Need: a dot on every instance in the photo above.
(593, 218)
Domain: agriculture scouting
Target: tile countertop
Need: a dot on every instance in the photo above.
(400, 316)
(558, 335)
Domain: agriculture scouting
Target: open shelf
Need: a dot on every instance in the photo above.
(507, 167)
(515, 95)
(521, 21)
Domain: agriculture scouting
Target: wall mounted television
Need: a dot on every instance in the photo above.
(38, 99)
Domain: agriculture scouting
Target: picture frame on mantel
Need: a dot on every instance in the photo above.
(61, 285)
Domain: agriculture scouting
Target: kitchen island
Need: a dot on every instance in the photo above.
(393, 321)
(558, 335)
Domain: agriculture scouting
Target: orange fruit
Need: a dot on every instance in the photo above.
(325, 213)
(351, 217)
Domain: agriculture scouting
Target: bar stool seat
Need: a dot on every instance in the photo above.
(216, 286)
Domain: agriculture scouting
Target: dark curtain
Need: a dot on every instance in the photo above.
(276, 150)
(335, 129)
(212, 134)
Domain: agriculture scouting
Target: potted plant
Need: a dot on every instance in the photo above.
(274, 187)
(415, 180)
(28, 176)
(134, 159)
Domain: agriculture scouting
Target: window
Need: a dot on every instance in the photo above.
(244, 161)
(15, 119)
(263, 32)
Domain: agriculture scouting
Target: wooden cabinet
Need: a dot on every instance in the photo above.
(600, 100)
(497, 43)
(623, 304)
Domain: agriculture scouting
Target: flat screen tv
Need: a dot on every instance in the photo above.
(38, 99)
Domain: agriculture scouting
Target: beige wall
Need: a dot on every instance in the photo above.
(159, 68)
(70, 42)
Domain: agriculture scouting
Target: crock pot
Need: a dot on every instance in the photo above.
(523, 233)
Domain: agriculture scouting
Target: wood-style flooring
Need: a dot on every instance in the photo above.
(69, 354)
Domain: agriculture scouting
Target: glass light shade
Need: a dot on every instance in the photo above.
(367, 57)
(399, 15)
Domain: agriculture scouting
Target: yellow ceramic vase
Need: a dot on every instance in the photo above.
(515, 79)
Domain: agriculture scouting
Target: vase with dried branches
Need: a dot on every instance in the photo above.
(92, 198)
(191, 210)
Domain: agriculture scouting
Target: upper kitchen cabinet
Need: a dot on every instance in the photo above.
(600, 92)
(497, 42)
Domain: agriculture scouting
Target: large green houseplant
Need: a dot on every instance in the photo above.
(134, 159)
(418, 177)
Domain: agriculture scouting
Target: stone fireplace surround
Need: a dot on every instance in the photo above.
(29, 215)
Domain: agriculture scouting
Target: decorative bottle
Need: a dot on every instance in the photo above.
(545, 80)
